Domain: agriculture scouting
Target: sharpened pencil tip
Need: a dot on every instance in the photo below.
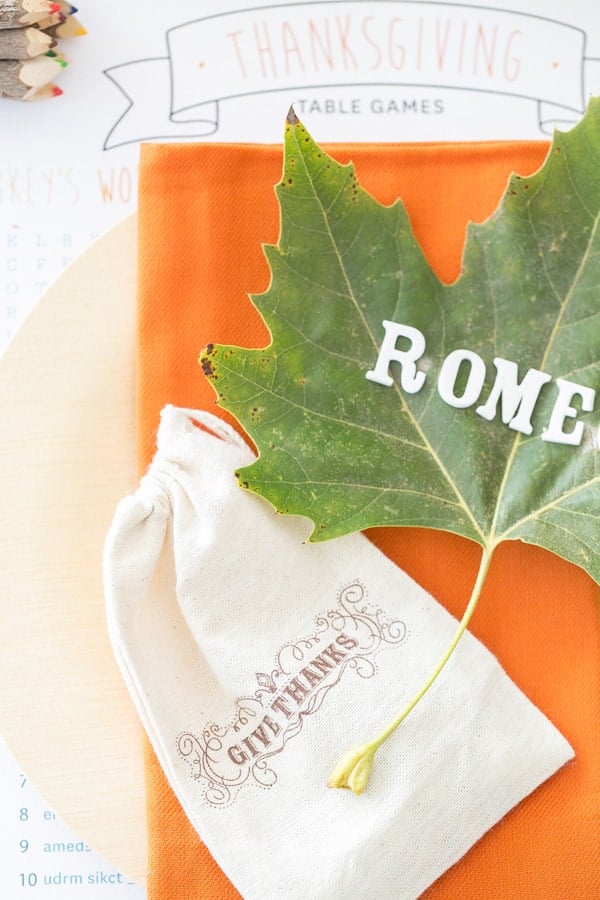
(56, 91)
(292, 118)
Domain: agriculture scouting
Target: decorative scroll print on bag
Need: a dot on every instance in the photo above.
(346, 638)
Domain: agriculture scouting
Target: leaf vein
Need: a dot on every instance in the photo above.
(553, 504)
(452, 484)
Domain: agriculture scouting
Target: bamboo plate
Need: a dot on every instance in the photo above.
(68, 455)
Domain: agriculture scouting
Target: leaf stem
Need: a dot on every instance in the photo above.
(484, 564)
(368, 750)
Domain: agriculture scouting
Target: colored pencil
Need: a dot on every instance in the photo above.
(24, 43)
(46, 93)
(66, 8)
(22, 80)
(58, 16)
(71, 27)
(29, 30)
(15, 13)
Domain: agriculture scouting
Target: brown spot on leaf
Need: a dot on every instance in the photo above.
(206, 362)
(207, 367)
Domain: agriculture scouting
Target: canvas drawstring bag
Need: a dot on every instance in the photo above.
(256, 659)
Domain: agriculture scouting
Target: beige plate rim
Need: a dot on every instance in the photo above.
(68, 455)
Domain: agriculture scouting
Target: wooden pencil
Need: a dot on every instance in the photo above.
(60, 14)
(46, 92)
(56, 18)
(16, 13)
(67, 8)
(24, 43)
(22, 80)
(71, 27)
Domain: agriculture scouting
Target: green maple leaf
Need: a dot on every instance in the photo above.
(351, 454)
(503, 446)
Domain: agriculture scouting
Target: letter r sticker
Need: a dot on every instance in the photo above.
(411, 380)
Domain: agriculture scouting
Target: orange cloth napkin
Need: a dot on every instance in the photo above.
(204, 211)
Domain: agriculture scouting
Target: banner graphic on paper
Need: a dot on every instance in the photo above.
(317, 45)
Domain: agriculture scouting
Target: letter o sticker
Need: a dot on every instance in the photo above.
(449, 374)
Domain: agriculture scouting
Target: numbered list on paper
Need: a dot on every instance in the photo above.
(40, 857)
